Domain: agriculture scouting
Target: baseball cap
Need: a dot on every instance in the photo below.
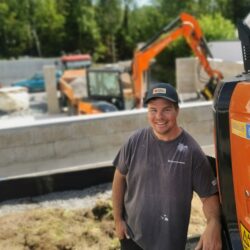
(162, 90)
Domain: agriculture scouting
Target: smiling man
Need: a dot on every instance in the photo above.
(157, 171)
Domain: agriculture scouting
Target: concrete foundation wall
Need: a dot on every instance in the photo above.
(85, 140)
(15, 70)
(191, 77)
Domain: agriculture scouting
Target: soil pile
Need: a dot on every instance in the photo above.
(71, 229)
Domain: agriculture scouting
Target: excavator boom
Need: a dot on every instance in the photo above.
(184, 26)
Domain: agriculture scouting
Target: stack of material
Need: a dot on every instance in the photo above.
(14, 99)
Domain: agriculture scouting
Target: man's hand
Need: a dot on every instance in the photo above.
(121, 230)
(211, 238)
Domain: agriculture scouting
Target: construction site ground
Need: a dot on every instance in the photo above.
(58, 228)
(71, 228)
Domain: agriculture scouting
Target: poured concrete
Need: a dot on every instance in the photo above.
(85, 141)
(191, 77)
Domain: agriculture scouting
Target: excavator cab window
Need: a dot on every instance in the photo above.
(75, 64)
(105, 84)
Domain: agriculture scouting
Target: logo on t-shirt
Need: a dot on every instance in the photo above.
(181, 147)
(177, 162)
(164, 217)
(214, 182)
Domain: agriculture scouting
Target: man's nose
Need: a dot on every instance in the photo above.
(159, 115)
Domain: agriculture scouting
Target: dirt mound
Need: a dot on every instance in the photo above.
(59, 229)
(69, 229)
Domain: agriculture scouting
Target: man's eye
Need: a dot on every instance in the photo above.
(167, 110)
(152, 111)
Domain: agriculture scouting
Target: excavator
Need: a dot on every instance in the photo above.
(117, 94)
(231, 110)
(185, 26)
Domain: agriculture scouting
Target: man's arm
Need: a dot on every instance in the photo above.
(211, 238)
(118, 190)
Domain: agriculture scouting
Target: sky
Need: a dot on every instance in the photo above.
(143, 2)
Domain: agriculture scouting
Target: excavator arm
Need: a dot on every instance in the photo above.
(184, 26)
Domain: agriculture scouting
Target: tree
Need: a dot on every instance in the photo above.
(108, 30)
(171, 9)
(217, 27)
(47, 26)
(89, 39)
(145, 22)
(109, 17)
(123, 39)
(240, 9)
(83, 33)
(14, 32)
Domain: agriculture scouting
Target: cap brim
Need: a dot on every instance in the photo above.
(163, 97)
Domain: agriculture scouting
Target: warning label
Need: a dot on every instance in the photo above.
(245, 236)
(241, 129)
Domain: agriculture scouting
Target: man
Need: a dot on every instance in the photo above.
(157, 171)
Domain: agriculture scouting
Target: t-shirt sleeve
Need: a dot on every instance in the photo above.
(121, 161)
(204, 181)
(126, 153)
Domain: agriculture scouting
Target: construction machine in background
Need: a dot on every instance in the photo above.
(74, 65)
(105, 88)
(75, 61)
(86, 90)
(185, 26)
(100, 90)
(111, 84)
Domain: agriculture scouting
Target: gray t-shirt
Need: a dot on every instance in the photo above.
(160, 179)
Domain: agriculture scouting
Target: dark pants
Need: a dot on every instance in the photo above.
(128, 244)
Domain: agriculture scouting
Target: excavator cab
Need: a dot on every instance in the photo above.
(110, 84)
(232, 138)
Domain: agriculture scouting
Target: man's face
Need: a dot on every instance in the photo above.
(162, 116)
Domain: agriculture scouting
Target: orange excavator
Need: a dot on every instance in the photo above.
(232, 139)
(106, 88)
(184, 26)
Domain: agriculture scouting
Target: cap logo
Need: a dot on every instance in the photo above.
(159, 91)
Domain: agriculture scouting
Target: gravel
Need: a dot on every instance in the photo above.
(76, 199)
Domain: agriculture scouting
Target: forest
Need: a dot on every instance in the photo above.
(109, 30)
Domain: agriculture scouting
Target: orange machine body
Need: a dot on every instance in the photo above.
(232, 145)
(239, 120)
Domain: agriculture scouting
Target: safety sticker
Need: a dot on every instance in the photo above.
(245, 236)
(248, 131)
(241, 129)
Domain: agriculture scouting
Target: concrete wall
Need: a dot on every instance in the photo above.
(191, 77)
(226, 50)
(80, 141)
(15, 70)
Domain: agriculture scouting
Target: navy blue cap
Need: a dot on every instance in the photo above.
(162, 90)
